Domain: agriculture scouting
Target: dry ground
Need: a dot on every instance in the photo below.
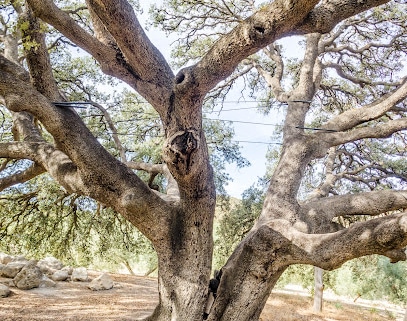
(134, 297)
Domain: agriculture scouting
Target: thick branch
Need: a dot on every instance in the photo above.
(56, 163)
(96, 173)
(369, 203)
(38, 60)
(356, 116)
(385, 235)
(329, 13)
(21, 177)
(120, 20)
(262, 28)
(379, 131)
(306, 85)
(109, 57)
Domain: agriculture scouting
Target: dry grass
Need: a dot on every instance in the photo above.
(288, 307)
(133, 298)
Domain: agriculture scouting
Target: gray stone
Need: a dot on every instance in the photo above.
(8, 282)
(19, 258)
(102, 282)
(79, 274)
(69, 269)
(49, 265)
(4, 291)
(11, 269)
(46, 282)
(60, 275)
(1, 268)
(29, 277)
(5, 258)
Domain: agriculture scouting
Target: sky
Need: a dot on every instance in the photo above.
(255, 153)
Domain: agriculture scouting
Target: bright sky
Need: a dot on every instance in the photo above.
(255, 153)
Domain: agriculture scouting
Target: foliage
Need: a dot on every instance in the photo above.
(39, 219)
(235, 223)
(372, 278)
(76, 228)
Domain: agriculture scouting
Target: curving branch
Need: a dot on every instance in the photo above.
(274, 80)
(366, 47)
(330, 178)
(271, 22)
(326, 16)
(81, 164)
(110, 58)
(110, 123)
(385, 235)
(368, 203)
(356, 80)
(172, 191)
(21, 177)
(353, 117)
(383, 130)
(137, 50)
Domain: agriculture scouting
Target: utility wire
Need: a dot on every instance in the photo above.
(241, 122)
(234, 141)
(79, 104)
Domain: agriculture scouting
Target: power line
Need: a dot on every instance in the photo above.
(252, 142)
(234, 141)
(241, 122)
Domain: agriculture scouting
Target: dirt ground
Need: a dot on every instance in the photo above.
(134, 297)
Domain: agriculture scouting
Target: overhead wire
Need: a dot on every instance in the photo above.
(79, 104)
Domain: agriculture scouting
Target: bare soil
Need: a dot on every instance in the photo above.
(135, 297)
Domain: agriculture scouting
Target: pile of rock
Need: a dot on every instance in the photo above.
(17, 271)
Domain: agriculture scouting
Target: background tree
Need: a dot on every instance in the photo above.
(178, 220)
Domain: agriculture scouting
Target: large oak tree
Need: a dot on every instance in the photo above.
(179, 222)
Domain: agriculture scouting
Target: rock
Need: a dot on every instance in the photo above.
(49, 265)
(4, 291)
(46, 282)
(1, 268)
(79, 274)
(8, 282)
(102, 282)
(69, 269)
(19, 258)
(11, 269)
(29, 277)
(5, 258)
(60, 275)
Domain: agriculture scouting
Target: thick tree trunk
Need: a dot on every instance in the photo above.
(318, 289)
(249, 276)
(184, 263)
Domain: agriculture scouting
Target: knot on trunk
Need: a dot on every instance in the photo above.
(179, 148)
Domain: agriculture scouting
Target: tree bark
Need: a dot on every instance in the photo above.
(180, 224)
(318, 289)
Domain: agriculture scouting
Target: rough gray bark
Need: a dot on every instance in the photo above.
(180, 222)
(318, 289)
